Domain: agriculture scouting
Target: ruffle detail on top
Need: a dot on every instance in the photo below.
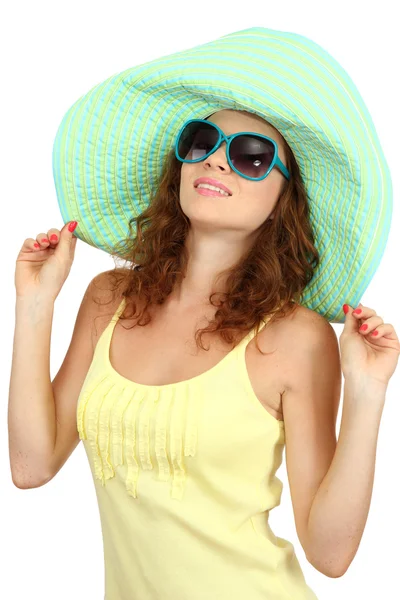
(118, 423)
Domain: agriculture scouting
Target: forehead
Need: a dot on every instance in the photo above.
(233, 121)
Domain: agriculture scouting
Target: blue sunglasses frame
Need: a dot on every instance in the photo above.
(276, 162)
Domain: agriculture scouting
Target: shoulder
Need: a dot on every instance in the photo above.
(108, 279)
(305, 327)
(303, 339)
(310, 331)
(313, 322)
(106, 288)
(105, 292)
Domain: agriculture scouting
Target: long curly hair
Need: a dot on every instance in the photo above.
(268, 280)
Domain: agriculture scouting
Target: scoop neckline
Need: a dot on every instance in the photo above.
(110, 331)
(112, 372)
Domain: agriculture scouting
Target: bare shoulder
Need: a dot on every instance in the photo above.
(300, 337)
(316, 335)
(106, 295)
(304, 325)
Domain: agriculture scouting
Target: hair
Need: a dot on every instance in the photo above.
(268, 280)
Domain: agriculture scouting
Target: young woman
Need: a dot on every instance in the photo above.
(184, 440)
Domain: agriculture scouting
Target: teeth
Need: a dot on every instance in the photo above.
(212, 187)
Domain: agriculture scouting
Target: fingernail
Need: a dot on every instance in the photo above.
(358, 311)
(345, 308)
(53, 238)
(364, 327)
(72, 225)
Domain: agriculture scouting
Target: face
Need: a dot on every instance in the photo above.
(251, 202)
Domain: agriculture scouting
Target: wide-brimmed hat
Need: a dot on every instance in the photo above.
(111, 145)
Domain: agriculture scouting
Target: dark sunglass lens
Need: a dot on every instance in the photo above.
(197, 140)
(252, 155)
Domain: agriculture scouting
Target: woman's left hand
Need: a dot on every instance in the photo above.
(364, 353)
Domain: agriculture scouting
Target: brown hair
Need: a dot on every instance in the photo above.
(267, 281)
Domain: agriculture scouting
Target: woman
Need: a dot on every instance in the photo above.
(183, 441)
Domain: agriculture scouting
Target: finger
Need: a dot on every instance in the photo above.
(385, 330)
(53, 235)
(363, 312)
(73, 246)
(370, 324)
(30, 245)
(43, 240)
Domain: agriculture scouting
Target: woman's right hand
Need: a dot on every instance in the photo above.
(44, 270)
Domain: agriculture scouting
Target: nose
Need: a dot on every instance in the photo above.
(218, 159)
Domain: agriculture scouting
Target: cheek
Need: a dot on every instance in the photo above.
(264, 194)
(187, 174)
(183, 173)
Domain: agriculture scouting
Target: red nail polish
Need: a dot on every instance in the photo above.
(345, 308)
(375, 332)
(358, 311)
(364, 327)
(53, 237)
(72, 225)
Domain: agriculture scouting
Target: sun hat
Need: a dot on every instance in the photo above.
(110, 147)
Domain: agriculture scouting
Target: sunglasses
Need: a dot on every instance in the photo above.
(251, 155)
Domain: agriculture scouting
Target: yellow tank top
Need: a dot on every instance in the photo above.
(185, 479)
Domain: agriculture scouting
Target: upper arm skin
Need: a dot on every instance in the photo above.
(310, 407)
(69, 380)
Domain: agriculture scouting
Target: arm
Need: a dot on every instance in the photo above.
(42, 414)
(330, 481)
(340, 507)
(31, 409)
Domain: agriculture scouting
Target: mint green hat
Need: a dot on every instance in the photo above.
(111, 144)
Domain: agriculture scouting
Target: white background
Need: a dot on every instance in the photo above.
(51, 54)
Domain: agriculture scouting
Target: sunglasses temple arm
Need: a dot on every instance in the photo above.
(282, 168)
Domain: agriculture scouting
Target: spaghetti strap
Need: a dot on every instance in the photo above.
(119, 310)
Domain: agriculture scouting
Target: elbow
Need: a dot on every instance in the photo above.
(328, 568)
(336, 573)
(331, 565)
(28, 483)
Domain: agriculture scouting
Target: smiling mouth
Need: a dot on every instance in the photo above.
(223, 193)
(208, 192)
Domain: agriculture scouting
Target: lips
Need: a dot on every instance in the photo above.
(212, 182)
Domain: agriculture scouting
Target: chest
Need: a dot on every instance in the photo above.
(164, 352)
